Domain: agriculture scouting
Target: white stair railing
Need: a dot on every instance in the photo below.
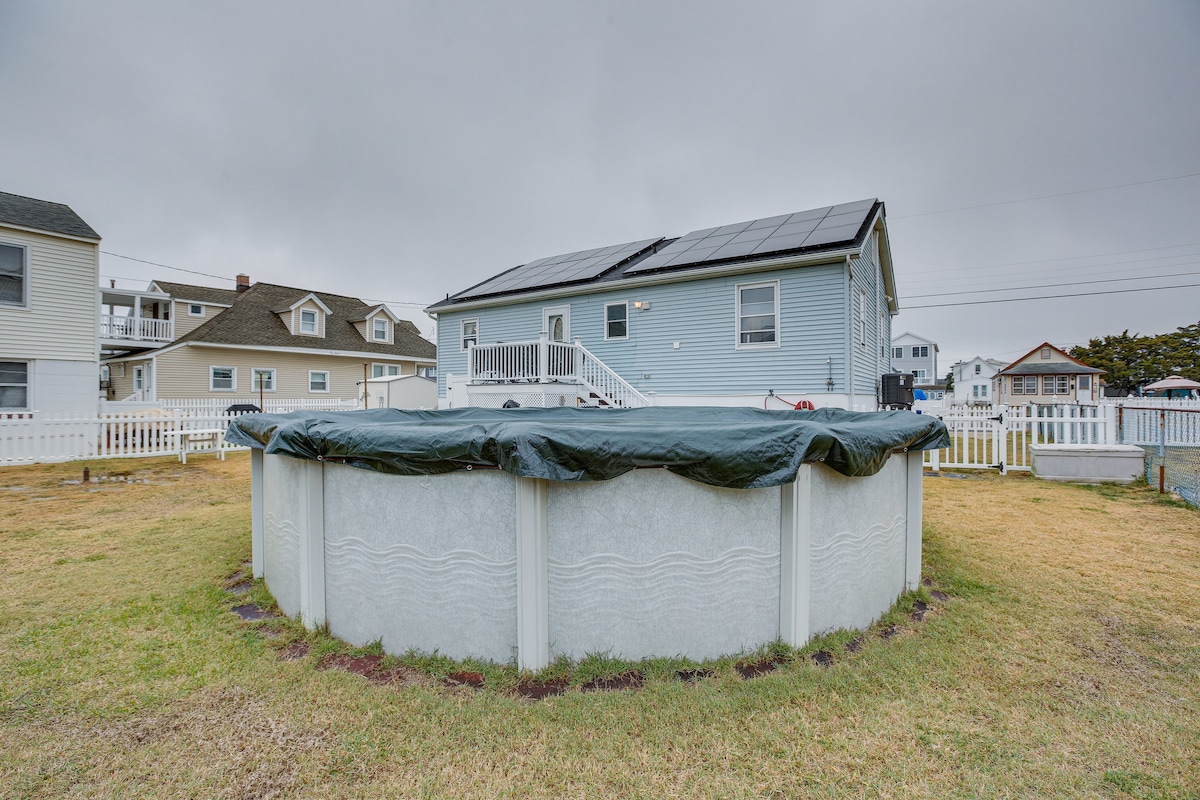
(605, 383)
(544, 361)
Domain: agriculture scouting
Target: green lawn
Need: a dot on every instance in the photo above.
(1065, 663)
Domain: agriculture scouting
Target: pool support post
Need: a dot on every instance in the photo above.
(533, 575)
(795, 538)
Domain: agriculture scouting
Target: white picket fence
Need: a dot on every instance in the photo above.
(129, 429)
(214, 406)
(998, 437)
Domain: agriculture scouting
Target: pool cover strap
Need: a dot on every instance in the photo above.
(740, 448)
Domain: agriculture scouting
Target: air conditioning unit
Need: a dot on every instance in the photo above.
(897, 390)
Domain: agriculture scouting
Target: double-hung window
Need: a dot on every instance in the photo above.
(262, 380)
(616, 321)
(14, 384)
(921, 352)
(1026, 384)
(1056, 384)
(897, 352)
(222, 379)
(379, 330)
(14, 275)
(758, 314)
(308, 321)
(318, 381)
(384, 370)
(470, 332)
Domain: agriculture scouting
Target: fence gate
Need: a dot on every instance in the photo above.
(978, 440)
(998, 437)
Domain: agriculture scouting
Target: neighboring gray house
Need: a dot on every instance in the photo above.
(918, 355)
(973, 381)
(770, 312)
(49, 267)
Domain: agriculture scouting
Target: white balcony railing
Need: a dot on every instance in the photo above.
(142, 329)
(543, 361)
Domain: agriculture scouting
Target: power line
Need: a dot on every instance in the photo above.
(1070, 258)
(1048, 196)
(1054, 285)
(1055, 296)
(168, 266)
(930, 277)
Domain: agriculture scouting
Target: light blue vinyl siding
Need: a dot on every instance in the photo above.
(700, 315)
(869, 361)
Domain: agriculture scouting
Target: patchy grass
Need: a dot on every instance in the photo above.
(1063, 664)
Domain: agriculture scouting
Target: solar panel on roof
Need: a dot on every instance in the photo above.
(814, 228)
(556, 270)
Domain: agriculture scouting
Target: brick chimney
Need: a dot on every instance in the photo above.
(243, 283)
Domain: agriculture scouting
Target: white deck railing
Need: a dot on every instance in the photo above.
(142, 329)
(543, 361)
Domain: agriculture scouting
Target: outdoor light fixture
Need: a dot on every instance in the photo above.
(641, 305)
(829, 382)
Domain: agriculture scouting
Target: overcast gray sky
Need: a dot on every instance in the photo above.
(402, 151)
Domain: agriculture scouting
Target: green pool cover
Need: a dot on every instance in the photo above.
(740, 448)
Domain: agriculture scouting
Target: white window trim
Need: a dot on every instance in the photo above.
(300, 312)
(312, 372)
(233, 382)
(462, 333)
(254, 372)
(375, 337)
(383, 368)
(737, 318)
(193, 313)
(607, 306)
(139, 378)
(557, 311)
(25, 277)
(26, 384)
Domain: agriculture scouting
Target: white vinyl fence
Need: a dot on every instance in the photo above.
(131, 430)
(998, 437)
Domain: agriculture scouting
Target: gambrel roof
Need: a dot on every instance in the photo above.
(42, 215)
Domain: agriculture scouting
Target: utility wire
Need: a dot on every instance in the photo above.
(1054, 296)
(1067, 258)
(1047, 196)
(1054, 285)
(168, 266)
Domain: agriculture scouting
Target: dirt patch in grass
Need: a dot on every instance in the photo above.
(252, 613)
(541, 689)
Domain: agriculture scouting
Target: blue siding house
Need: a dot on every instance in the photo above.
(767, 313)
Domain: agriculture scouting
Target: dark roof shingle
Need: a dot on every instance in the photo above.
(201, 294)
(252, 321)
(43, 215)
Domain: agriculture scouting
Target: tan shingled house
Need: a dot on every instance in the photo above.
(1046, 374)
(277, 341)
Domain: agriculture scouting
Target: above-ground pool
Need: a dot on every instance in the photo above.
(434, 548)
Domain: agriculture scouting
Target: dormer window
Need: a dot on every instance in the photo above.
(308, 321)
(379, 330)
(195, 310)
